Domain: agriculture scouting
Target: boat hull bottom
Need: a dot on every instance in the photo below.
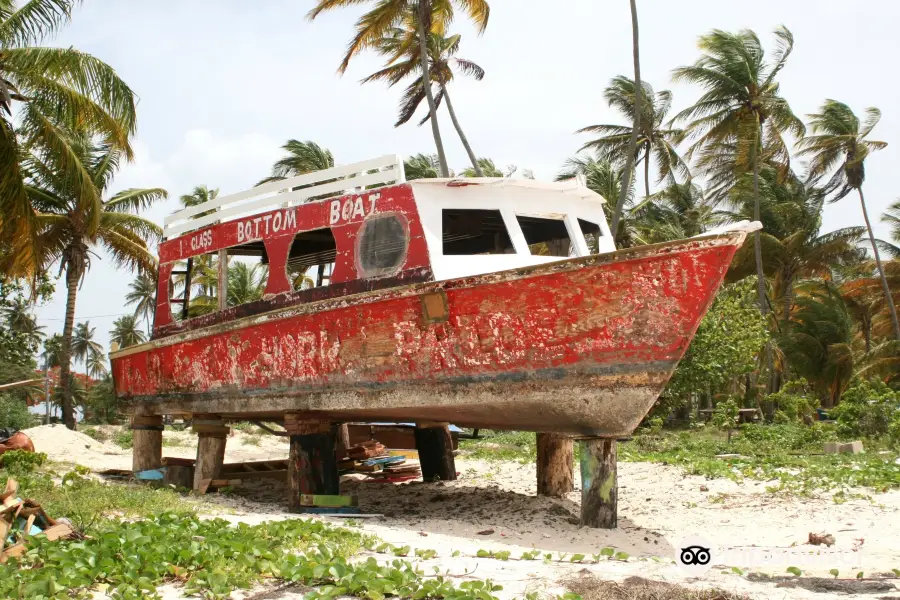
(601, 406)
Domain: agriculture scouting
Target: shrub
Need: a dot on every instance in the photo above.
(125, 438)
(793, 404)
(867, 409)
(14, 414)
(22, 461)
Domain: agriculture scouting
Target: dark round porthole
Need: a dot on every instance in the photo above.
(382, 245)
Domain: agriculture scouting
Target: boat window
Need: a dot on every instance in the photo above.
(546, 237)
(382, 245)
(467, 232)
(310, 262)
(248, 273)
(592, 235)
(193, 286)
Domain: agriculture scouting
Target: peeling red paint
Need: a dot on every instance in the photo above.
(605, 324)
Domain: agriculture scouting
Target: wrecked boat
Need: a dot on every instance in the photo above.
(485, 302)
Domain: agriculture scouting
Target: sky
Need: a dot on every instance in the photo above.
(222, 84)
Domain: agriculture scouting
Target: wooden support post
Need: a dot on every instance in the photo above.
(599, 485)
(342, 443)
(555, 458)
(312, 465)
(146, 448)
(211, 435)
(435, 447)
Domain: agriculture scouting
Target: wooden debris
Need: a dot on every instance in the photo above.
(21, 518)
(328, 500)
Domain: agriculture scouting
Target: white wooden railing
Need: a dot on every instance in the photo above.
(335, 181)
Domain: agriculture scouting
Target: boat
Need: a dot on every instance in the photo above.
(484, 302)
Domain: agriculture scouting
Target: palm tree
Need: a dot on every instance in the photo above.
(72, 217)
(52, 351)
(839, 140)
(20, 319)
(638, 109)
(603, 177)
(486, 168)
(655, 139)
(125, 332)
(442, 61)
(818, 342)
(678, 211)
(246, 282)
(143, 296)
(427, 16)
(54, 89)
(422, 166)
(96, 366)
(83, 344)
(199, 195)
(741, 110)
(302, 157)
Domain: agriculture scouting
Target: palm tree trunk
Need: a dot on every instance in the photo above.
(462, 136)
(424, 6)
(884, 284)
(788, 297)
(757, 238)
(647, 172)
(632, 143)
(867, 332)
(65, 351)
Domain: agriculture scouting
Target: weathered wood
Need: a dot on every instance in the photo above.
(312, 466)
(599, 484)
(555, 461)
(146, 448)
(210, 458)
(180, 476)
(435, 448)
(343, 441)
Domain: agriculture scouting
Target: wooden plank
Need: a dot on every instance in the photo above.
(328, 500)
(393, 164)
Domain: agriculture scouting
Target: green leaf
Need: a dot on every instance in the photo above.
(794, 571)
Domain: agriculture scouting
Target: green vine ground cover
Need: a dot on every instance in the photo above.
(138, 538)
(790, 456)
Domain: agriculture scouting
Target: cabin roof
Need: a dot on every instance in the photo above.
(575, 187)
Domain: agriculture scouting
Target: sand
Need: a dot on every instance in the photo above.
(493, 506)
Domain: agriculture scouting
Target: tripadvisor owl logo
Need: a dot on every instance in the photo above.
(695, 555)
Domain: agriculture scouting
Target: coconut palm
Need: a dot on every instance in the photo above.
(487, 168)
(627, 171)
(741, 110)
(71, 218)
(199, 195)
(143, 296)
(51, 89)
(302, 157)
(817, 343)
(125, 332)
(678, 211)
(422, 166)
(20, 319)
(96, 366)
(246, 282)
(442, 63)
(83, 344)
(603, 177)
(426, 16)
(52, 350)
(655, 140)
(839, 148)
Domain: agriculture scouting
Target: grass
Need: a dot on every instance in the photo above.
(790, 456)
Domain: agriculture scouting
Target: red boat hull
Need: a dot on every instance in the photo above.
(583, 346)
